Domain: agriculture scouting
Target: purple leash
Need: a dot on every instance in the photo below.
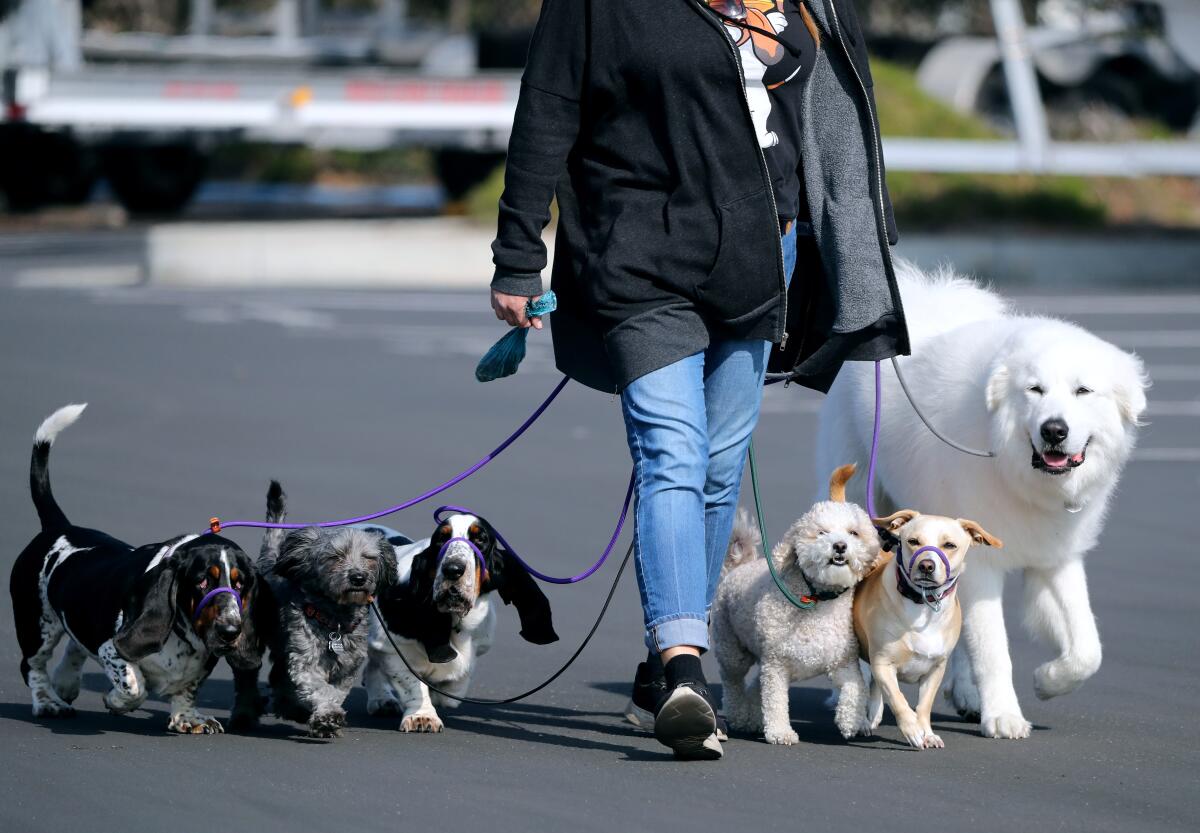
(438, 517)
(216, 525)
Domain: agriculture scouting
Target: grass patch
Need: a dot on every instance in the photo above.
(298, 164)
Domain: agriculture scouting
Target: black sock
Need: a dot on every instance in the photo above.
(684, 668)
(654, 663)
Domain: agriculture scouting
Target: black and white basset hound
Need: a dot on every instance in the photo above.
(441, 616)
(156, 617)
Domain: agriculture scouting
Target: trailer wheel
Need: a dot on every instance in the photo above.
(154, 178)
(40, 167)
(461, 170)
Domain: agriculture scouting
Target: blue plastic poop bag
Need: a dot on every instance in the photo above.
(506, 354)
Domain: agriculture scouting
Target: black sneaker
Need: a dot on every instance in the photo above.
(684, 719)
(650, 689)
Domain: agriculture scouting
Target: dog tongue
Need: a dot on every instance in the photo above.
(1054, 459)
(1077, 458)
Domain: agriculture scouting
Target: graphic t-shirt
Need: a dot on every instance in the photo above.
(778, 53)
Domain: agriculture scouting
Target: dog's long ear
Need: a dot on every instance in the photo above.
(518, 588)
(997, 383)
(259, 618)
(150, 611)
(1130, 390)
(294, 552)
(978, 534)
(837, 482)
(389, 573)
(897, 519)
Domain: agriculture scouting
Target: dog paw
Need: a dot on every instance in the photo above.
(194, 723)
(1061, 676)
(384, 708)
(866, 728)
(51, 708)
(326, 725)
(1012, 726)
(913, 733)
(964, 696)
(932, 741)
(421, 723)
(118, 703)
(244, 716)
(781, 737)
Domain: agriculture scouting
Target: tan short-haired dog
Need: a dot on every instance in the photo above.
(907, 618)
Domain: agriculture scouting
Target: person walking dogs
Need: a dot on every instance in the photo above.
(720, 189)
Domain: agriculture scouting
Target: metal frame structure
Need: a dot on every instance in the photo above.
(365, 107)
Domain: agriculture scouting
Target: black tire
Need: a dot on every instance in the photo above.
(41, 167)
(461, 170)
(154, 179)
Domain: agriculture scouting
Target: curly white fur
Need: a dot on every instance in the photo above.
(829, 549)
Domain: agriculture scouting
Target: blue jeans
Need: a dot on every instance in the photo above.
(688, 425)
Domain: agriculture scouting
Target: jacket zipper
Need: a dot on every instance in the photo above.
(762, 161)
(876, 150)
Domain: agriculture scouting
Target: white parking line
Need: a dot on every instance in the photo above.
(1167, 455)
(1068, 305)
(1152, 338)
(1174, 372)
(79, 277)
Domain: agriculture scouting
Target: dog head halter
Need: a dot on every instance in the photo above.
(212, 594)
(439, 516)
(931, 596)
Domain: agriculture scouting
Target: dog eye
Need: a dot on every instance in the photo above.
(1082, 391)
(854, 532)
(913, 542)
(1036, 389)
(949, 545)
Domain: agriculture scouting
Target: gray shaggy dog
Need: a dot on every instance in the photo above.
(823, 555)
(323, 581)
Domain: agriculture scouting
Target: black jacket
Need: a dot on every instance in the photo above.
(668, 235)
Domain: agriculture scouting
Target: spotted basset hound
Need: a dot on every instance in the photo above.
(156, 617)
(442, 617)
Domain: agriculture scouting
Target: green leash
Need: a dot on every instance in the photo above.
(804, 602)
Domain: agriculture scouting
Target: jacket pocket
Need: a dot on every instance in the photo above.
(745, 276)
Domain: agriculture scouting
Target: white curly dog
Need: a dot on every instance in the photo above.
(1060, 408)
(823, 556)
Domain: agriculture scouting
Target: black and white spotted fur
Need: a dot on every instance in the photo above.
(442, 617)
(322, 582)
(129, 608)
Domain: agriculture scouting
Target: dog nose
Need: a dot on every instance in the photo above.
(228, 631)
(926, 566)
(1054, 430)
(839, 547)
(453, 570)
(357, 578)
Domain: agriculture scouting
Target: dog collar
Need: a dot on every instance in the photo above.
(819, 595)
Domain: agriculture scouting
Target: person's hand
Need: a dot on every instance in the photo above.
(511, 308)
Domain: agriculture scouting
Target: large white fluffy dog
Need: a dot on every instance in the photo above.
(1060, 408)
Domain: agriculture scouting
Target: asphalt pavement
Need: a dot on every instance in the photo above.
(355, 400)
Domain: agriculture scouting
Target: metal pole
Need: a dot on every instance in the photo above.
(287, 21)
(200, 18)
(1021, 78)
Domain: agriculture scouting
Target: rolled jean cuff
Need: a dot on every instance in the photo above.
(678, 629)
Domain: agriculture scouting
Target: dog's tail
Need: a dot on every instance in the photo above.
(268, 554)
(744, 542)
(48, 510)
(838, 480)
